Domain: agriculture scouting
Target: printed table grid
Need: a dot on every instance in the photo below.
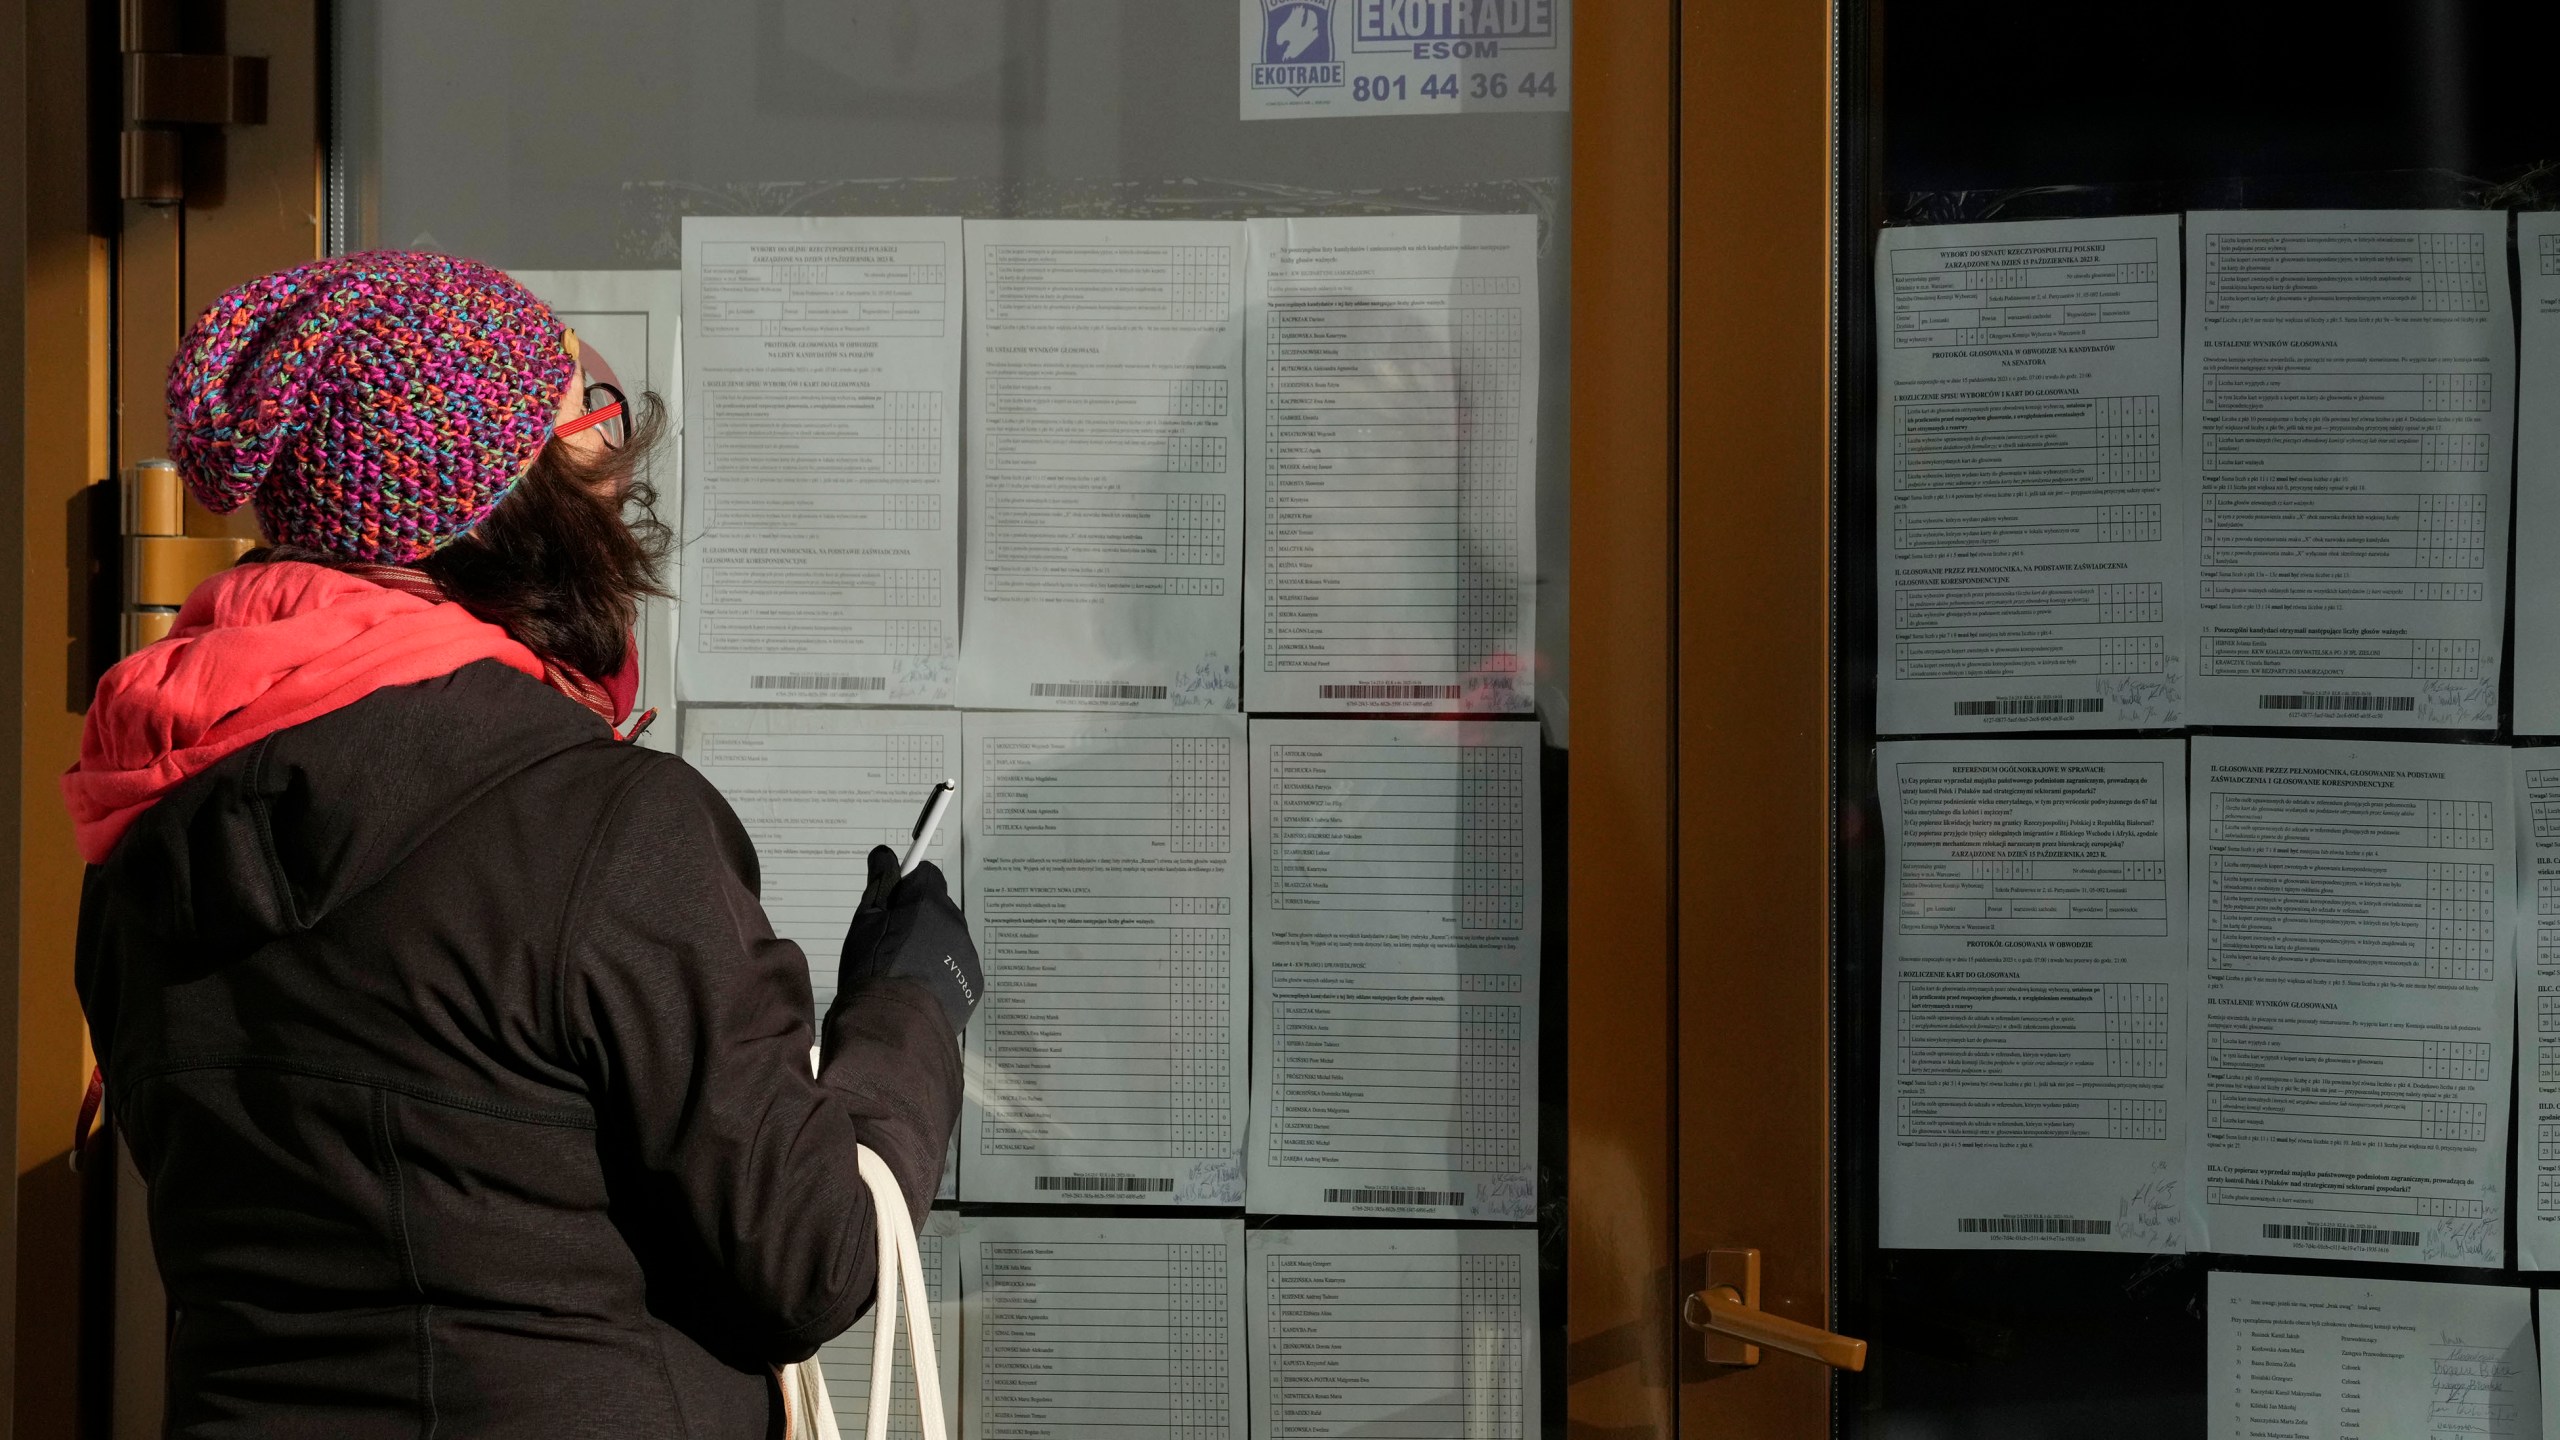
(1203, 1069)
(1177, 789)
(1361, 1075)
(795, 632)
(1196, 529)
(1958, 449)
(2546, 1193)
(1492, 882)
(1200, 282)
(1959, 1029)
(1122, 1028)
(1415, 1333)
(1413, 489)
(2033, 292)
(1950, 1117)
(821, 289)
(2253, 923)
(2367, 274)
(1196, 397)
(1398, 828)
(2546, 1142)
(1125, 1329)
(2550, 251)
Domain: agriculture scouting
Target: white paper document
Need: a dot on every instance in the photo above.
(2035, 967)
(822, 459)
(2538, 475)
(2548, 1326)
(2312, 1357)
(1392, 412)
(846, 1360)
(1107, 886)
(2351, 402)
(1394, 1332)
(2032, 558)
(2353, 1008)
(1395, 958)
(629, 316)
(816, 790)
(2537, 943)
(1105, 464)
(1103, 1328)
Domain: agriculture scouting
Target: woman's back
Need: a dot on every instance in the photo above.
(398, 1009)
(469, 1080)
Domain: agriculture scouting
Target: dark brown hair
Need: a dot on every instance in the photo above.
(565, 560)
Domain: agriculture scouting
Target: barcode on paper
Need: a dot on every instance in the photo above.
(1383, 690)
(1104, 1184)
(2320, 700)
(817, 682)
(2032, 1225)
(1093, 690)
(2052, 706)
(2342, 1234)
(1395, 1197)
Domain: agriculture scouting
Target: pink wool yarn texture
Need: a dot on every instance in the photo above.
(372, 406)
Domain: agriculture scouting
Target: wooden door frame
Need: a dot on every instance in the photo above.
(1620, 1309)
(1753, 640)
(100, 291)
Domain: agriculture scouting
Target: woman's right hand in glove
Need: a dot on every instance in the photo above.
(907, 928)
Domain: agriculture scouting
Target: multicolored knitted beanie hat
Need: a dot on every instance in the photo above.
(374, 406)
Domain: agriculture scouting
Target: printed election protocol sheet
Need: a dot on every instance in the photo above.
(1395, 968)
(2032, 550)
(1392, 412)
(2351, 405)
(2035, 994)
(822, 459)
(2352, 1017)
(1107, 888)
(2311, 1357)
(1105, 464)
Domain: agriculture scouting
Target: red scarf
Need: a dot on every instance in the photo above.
(611, 700)
(262, 648)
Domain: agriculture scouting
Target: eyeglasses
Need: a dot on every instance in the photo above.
(607, 412)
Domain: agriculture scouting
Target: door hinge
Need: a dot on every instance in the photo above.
(162, 563)
(168, 91)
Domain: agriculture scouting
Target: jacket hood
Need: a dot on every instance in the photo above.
(269, 841)
(257, 650)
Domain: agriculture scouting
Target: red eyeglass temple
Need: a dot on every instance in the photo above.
(589, 420)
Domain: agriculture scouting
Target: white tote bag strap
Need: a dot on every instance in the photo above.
(810, 1412)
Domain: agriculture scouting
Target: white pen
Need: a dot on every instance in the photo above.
(927, 822)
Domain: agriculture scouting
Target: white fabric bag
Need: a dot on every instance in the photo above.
(808, 1412)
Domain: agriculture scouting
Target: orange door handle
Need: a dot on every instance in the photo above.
(1728, 1312)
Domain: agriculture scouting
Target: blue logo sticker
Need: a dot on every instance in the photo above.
(1297, 47)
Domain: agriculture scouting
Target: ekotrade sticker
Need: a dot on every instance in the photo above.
(1311, 59)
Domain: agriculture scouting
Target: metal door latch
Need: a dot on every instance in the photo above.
(1728, 1311)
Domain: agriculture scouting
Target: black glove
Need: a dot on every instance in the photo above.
(909, 929)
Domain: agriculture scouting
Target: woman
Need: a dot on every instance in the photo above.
(471, 1084)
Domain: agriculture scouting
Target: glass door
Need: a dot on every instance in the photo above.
(1152, 415)
(2136, 607)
